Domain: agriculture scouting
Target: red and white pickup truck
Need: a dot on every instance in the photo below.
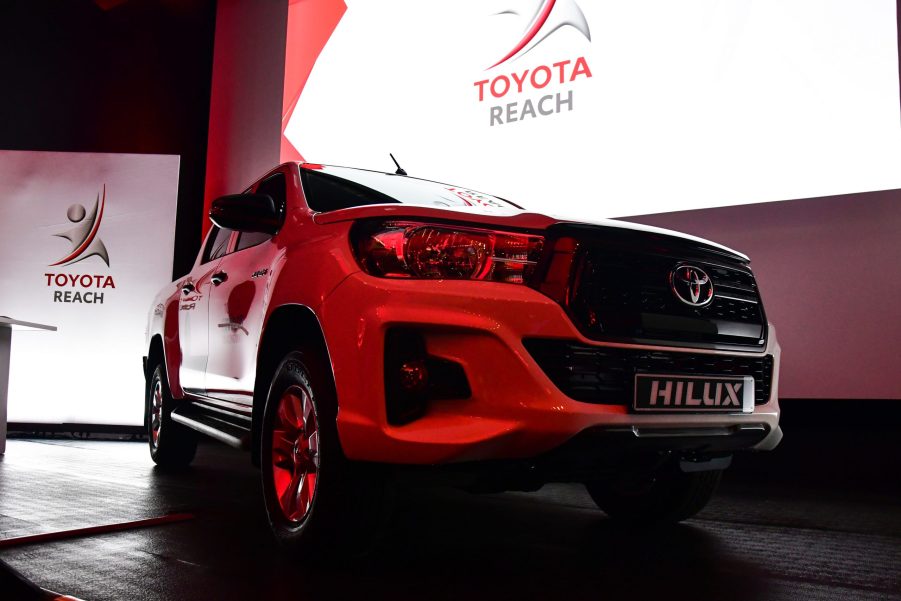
(342, 323)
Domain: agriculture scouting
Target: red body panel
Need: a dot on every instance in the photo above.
(514, 410)
(212, 334)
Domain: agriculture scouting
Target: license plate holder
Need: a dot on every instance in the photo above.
(677, 393)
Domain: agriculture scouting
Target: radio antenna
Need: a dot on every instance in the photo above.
(400, 170)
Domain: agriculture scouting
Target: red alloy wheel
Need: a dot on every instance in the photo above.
(295, 453)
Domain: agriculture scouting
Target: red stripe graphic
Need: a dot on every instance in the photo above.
(532, 32)
(91, 530)
(310, 26)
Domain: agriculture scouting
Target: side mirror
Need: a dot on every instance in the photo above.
(247, 213)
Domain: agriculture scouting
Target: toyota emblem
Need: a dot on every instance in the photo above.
(691, 285)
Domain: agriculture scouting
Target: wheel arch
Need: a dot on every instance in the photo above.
(287, 327)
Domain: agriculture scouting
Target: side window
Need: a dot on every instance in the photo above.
(217, 244)
(248, 239)
(276, 187)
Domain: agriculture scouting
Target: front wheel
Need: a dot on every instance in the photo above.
(316, 500)
(668, 497)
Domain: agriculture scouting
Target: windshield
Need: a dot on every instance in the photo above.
(330, 188)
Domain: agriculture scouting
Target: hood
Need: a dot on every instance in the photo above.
(501, 217)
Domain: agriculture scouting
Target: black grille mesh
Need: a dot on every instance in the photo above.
(624, 294)
(606, 375)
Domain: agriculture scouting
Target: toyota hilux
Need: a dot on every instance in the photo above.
(348, 327)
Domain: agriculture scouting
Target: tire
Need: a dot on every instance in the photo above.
(317, 502)
(171, 444)
(670, 497)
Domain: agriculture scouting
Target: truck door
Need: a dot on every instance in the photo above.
(193, 311)
(238, 306)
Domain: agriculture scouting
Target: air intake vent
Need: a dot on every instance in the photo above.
(606, 375)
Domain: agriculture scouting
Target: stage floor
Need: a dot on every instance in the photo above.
(766, 536)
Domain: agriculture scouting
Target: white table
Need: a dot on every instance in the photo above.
(7, 325)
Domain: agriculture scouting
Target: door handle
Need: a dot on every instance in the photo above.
(187, 288)
(218, 277)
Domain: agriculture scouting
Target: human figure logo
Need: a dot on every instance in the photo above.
(83, 236)
(549, 16)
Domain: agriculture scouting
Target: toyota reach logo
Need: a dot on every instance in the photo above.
(83, 236)
(552, 80)
(550, 16)
(82, 288)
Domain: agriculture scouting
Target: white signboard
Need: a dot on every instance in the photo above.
(605, 108)
(86, 240)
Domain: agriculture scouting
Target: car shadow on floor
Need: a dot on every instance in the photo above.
(446, 544)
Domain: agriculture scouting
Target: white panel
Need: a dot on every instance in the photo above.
(89, 371)
(690, 104)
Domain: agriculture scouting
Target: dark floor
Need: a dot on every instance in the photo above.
(787, 526)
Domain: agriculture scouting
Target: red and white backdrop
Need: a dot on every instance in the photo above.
(765, 126)
(86, 240)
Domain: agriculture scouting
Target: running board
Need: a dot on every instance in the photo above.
(233, 431)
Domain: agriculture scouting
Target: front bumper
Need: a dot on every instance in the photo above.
(514, 411)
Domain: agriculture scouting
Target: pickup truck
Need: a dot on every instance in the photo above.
(349, 327)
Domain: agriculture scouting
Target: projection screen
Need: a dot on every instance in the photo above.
(602, 108)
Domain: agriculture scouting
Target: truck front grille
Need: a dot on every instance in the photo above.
(620, 291)
(606, 375)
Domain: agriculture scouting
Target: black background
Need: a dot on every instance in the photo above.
(132, 78)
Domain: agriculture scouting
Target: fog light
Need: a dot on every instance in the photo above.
(414, 376)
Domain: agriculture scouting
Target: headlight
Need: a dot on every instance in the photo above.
(404, 249)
